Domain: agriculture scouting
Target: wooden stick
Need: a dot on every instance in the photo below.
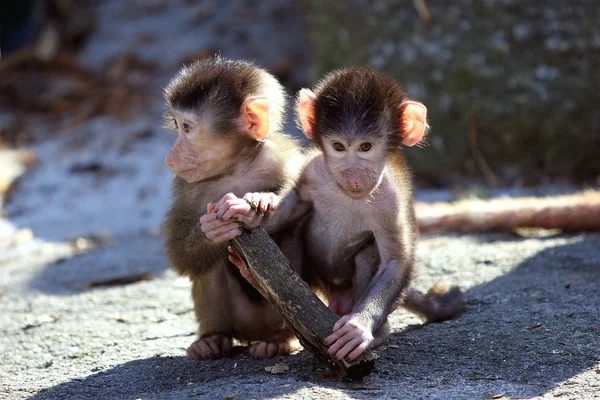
(578, 212)
(303, 311)
(422, 10)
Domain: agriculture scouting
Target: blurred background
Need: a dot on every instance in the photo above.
(512, 88)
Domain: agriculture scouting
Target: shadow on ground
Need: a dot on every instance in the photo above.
(123, 257)
(527, 331)
(536, 326)
(168, 377)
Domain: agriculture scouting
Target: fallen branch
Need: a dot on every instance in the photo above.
(422, 10)
(578, 212)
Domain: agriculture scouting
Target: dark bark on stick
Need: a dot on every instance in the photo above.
(304, 312)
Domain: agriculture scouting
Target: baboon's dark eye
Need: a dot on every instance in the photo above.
(337, 146)
(365, 146)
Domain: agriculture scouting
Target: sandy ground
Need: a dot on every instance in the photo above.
(531, 329)
(89, 208)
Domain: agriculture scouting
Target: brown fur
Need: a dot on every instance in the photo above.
(188, 250)
(360, 251)
(213, 91)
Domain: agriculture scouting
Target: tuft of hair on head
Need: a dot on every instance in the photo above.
(357, 101)
(214, 89)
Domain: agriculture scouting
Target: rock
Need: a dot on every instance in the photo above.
(521, 76)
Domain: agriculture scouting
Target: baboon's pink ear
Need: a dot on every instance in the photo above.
(255, 117)
(306, 111)
(413, 121)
